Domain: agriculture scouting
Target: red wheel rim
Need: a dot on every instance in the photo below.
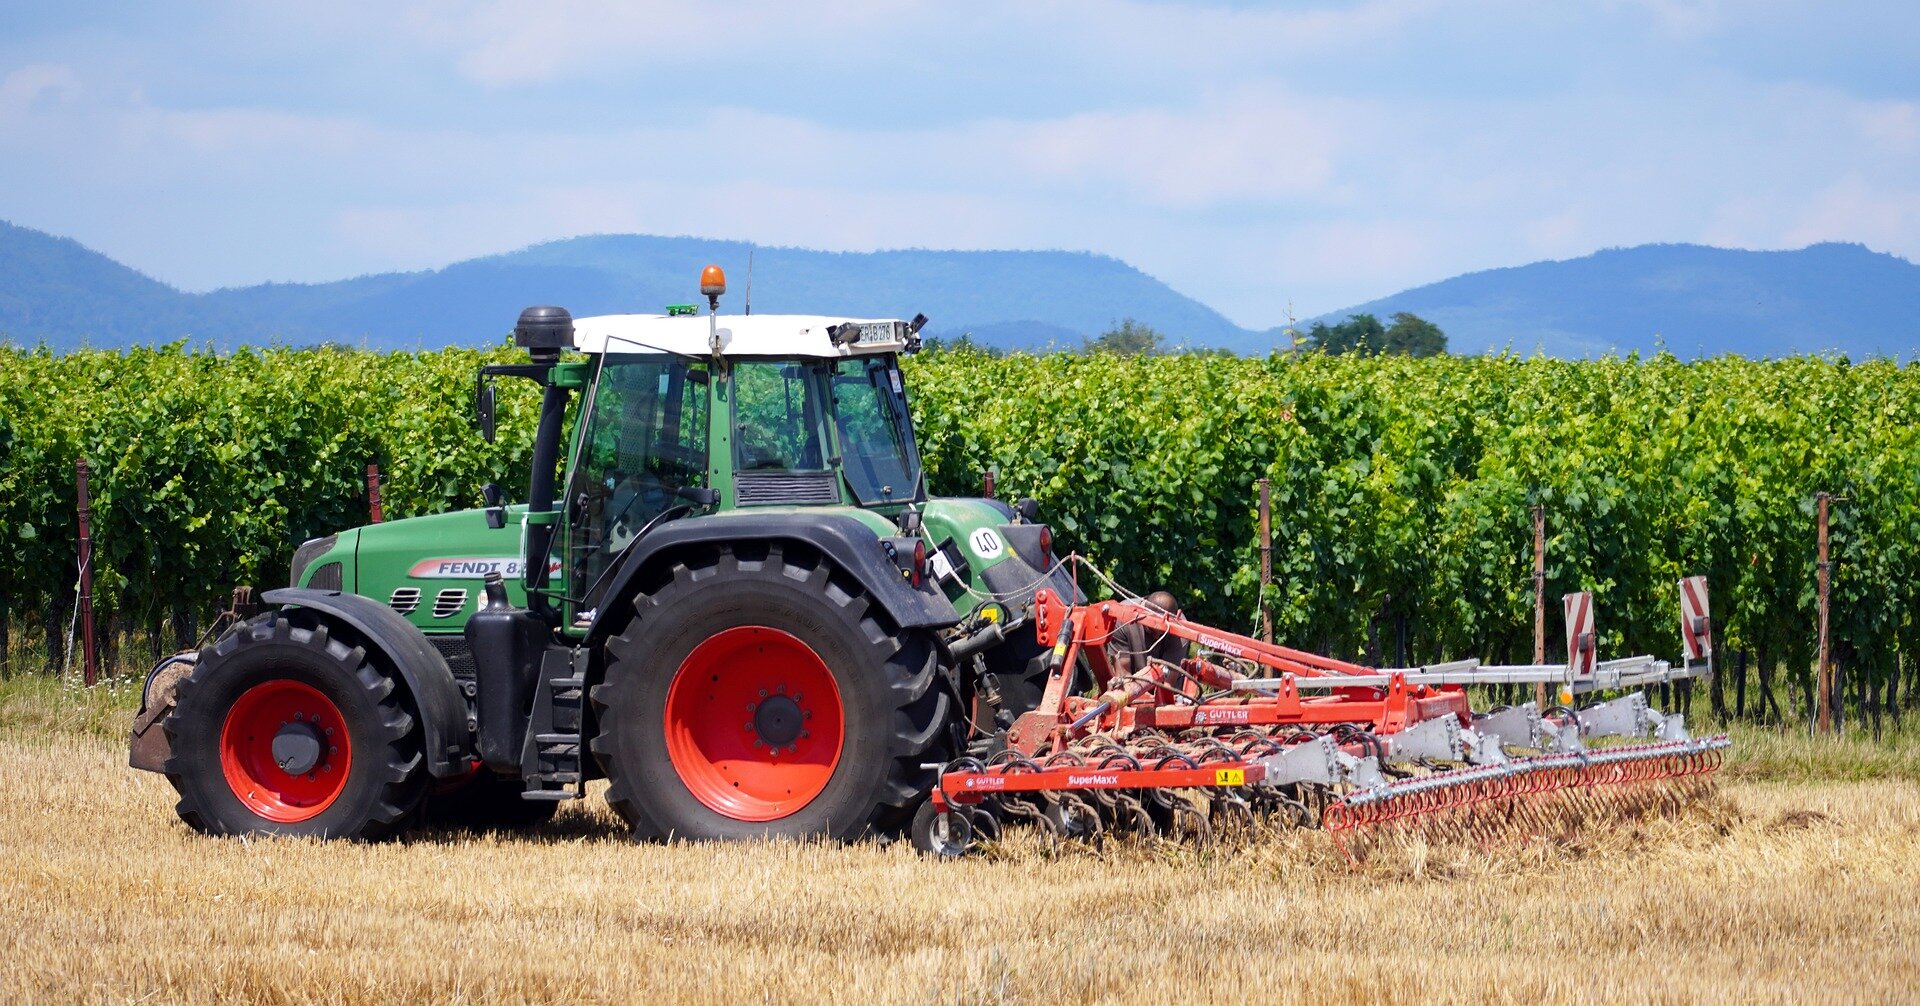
(754, 723)
(284, 708)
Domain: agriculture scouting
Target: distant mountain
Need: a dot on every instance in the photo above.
(1690, 299)
(1693, 300)
(54, 290)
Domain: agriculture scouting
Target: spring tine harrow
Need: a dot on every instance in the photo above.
(1246, 736)
(1525, 798)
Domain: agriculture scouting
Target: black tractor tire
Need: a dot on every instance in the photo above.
(895, 705)
(485, 802)
(238, 691)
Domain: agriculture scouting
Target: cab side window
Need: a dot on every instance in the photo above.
(778, 415)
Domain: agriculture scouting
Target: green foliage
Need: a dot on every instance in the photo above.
(1401, 490)
(1401, 486)
(1409, 335)
(209, 469)
(962, 343)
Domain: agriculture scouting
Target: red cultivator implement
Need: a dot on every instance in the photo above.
(1246, 734)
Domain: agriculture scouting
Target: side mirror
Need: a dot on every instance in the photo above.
(496, 510)
(483, 408)
(698, 495)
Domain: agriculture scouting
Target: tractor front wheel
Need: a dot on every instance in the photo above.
(764, 695)
(282, 729)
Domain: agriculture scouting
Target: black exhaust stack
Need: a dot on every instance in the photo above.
(508, 643)
(544, 332)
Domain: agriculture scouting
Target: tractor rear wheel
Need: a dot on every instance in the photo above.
(761, 694)
(283, 729)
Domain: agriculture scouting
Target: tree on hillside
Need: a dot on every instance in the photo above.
(1129, 338)
(1409, 335)
(1360, 333)
(1415, 336)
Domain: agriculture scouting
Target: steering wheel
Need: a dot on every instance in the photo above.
(638, 487)
(658, 519)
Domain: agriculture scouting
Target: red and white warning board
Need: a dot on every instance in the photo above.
(1696, 622)
(1580, 642)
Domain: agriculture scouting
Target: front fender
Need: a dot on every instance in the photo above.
(436, 696)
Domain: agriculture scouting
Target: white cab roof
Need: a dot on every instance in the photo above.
(740, 335)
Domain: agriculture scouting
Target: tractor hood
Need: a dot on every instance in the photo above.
(428, 569)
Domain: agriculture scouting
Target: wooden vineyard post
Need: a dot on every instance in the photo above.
(986, 483)
(374, 509)
(1823, 697)
(1266, 556)
(1540, 601)
(90, 661)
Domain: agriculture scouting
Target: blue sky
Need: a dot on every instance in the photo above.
(1254, 156)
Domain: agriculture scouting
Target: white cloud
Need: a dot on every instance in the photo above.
(1246, 150)
(1891, 126)
(36, 88)
(1683, 18)
(505, 43)
(1852, 209)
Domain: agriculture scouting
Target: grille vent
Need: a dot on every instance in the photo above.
(448, 602)
(458, 654)
(786, 487)
(405, 599)
(326, 577)
(305, 554)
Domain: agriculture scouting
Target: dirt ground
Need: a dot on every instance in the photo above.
(1781, 891)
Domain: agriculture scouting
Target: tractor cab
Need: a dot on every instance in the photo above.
(684, 415)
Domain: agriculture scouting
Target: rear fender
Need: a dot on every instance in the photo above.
(844, 541)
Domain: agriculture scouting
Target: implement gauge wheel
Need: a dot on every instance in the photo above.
(761, 695)
(282, 729)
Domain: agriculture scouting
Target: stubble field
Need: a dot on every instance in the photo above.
(1801, 883)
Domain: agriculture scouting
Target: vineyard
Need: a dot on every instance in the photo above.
(1401, 488)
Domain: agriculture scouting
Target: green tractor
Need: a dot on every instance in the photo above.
(728, 593)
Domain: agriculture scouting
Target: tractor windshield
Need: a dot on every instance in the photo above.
(876, 433)
(645, 436)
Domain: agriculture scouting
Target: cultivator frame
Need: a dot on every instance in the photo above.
(1249, 730)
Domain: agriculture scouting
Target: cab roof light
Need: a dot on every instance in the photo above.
(713, 282)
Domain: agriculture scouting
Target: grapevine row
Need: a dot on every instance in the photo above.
(1401, 487)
